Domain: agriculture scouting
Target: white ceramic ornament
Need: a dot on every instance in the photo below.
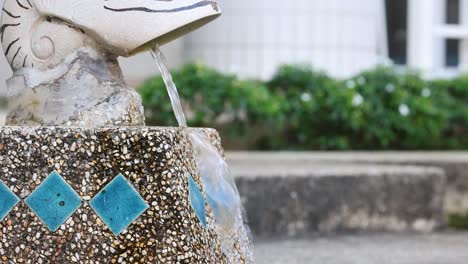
(68, 49)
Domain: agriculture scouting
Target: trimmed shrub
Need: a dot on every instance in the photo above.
(304, 109)
(314, 110)
(398, 111)
(452, 98)
(212, 99)
(378, 109)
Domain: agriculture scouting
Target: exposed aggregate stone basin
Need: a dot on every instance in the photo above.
(154, 160)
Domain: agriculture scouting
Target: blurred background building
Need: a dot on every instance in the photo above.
(341, 37)
(254, 37)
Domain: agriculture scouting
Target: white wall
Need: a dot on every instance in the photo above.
(428, 31)
(253, 37)
(425, 48)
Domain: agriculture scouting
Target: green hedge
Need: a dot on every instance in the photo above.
(303, 109)
(239, 109)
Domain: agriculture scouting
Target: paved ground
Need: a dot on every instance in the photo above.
(445, 248)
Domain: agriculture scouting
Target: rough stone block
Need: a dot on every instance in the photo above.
(306, 199)
(454, 163)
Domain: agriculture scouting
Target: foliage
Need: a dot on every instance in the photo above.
(304, 109)
(458, 221)
(314, 110)
(398, 111)
(212, 99)
(452, 96)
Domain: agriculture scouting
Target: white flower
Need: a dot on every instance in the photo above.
(389, 88)
(404, 110)
(350, 84)
(358, 100)
(426, 92)
(361, 80)
(306, 97)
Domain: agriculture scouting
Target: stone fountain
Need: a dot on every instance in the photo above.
(82, 179)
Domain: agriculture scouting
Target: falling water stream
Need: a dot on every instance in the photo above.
(220, 188)
(218, 184)
(161, 63)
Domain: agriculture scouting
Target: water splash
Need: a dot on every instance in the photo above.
(220, 188)
(161, 62)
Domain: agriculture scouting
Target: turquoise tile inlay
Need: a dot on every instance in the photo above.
(196, 200)
(54, 201)
(8, 200)
(118, 204)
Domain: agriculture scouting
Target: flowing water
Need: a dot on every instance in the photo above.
(161, 62)
(220, 188)
(218, 184)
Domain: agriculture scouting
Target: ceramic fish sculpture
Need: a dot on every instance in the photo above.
(64, 55)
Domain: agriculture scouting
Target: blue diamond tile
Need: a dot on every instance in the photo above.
(8, 200)
(196, 200)
(54, 201)
(118, 204)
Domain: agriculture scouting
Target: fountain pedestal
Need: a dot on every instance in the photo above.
(75, 192)
(145, 167)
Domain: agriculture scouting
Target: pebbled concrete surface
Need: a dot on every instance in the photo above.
(439, 248)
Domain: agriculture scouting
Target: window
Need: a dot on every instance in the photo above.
(452, 53)
(397, 29)
(452, 12)
(452, 46)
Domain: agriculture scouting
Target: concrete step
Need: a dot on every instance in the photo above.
(282, 200)
(454, 163)
(439, 248)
